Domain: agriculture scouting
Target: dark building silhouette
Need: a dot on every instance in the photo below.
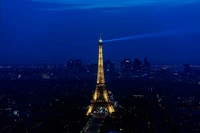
(126, 68)
(126, 65)
(109, 66)
(146, 66)
(146, 63)
(137, 65)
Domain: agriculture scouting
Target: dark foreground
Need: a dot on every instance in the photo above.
(44, 106)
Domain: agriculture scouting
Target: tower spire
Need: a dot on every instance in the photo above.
(100, 76)
(100, 39)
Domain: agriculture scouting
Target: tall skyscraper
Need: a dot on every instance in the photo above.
(146, 63)
(137, 65)
(126, 65)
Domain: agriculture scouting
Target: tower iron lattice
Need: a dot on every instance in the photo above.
(100, 97)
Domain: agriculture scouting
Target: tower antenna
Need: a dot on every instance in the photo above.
(100, 39)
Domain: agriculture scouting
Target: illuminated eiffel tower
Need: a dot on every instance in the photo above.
(100, 97)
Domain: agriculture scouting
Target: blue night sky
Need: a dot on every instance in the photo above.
(53, 31)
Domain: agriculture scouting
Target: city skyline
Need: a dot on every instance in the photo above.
(89, 62)
(148, 98)
(46, 31)
(105, 66)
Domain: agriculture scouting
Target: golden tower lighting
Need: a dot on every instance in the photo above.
(100, 96)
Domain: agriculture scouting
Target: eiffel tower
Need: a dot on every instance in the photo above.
(100, 96)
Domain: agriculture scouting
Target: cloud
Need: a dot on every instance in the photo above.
(95, 4)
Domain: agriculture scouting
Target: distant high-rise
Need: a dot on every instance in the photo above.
(126, 65)
(146, 66)
(137, 65)
(146, 63)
